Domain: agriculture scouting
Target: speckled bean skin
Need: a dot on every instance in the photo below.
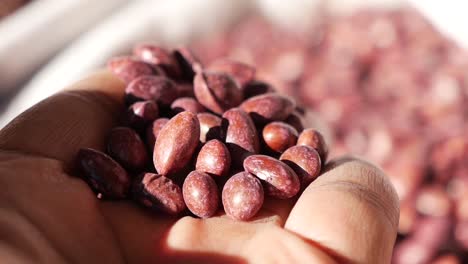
(140, 114)
(268, 107)
(242, 196)
(240, 72)
(157, 56)
(216, 91)
(281, 181)
(126, 147)
(103, 173)
(188, 62)
(241, 135)
(176, 143)
(148, 87)
(159, 193)
(187, 104)
(214, 158)
(305, 161)
(210, 127)
(200, 194)
(127, 68)
(153, 130)
(313, 138)
(279, 136)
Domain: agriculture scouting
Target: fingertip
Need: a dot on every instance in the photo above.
(352, 210)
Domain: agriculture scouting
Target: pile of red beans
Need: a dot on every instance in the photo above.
(392, 89)
(216, 135)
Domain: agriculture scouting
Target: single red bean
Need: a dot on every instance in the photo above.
(176, 143)
(140, 114)
(305, 161)
(127, 68)
(158, 56)
(158, 193)
(200, 194)
(210, 127)
(268, 107)
(241, 135)
(279, 136)
(240, 72)
(103, 173)
(126, 147)
(153, 130)
(156, 88)
(281, 181)
(214, 158)
(187, 104)
(216, 91)
(313, 138)
(242, 196)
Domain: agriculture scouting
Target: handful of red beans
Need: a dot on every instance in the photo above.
(200, 137)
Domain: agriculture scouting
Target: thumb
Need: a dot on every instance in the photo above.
(350, 212)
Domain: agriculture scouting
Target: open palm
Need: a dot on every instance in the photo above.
(348, 215)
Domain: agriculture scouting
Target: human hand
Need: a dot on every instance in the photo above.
(348, 215)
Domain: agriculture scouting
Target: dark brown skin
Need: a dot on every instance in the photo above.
(126, 147)
(176, 143)
(359, 228)
(103, 173)
(158, 193)
(201, 194)
(279, 136)
(128, 68)
(280, 180)
(188, 62)
(214, 158)
(255, 88)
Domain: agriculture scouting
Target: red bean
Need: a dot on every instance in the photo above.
(201, 194)
(305, 161)
(176, 143)
(187, 104)
(279, 136)
(158, 193)
(242, 196)
(210, 127)
(240, 72)
(127, 68)
(125, 146)
(140, 114)
(157, 56)
(281, 181)
(313, 138)
(214, 158)
(104, 174)
(153, 130)
(156, 88)
(268, 107)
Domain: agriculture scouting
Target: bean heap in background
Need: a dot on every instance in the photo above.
(215, 134)
(392, 89)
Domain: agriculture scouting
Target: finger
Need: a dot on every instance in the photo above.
(78, 117)
(351, 212)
